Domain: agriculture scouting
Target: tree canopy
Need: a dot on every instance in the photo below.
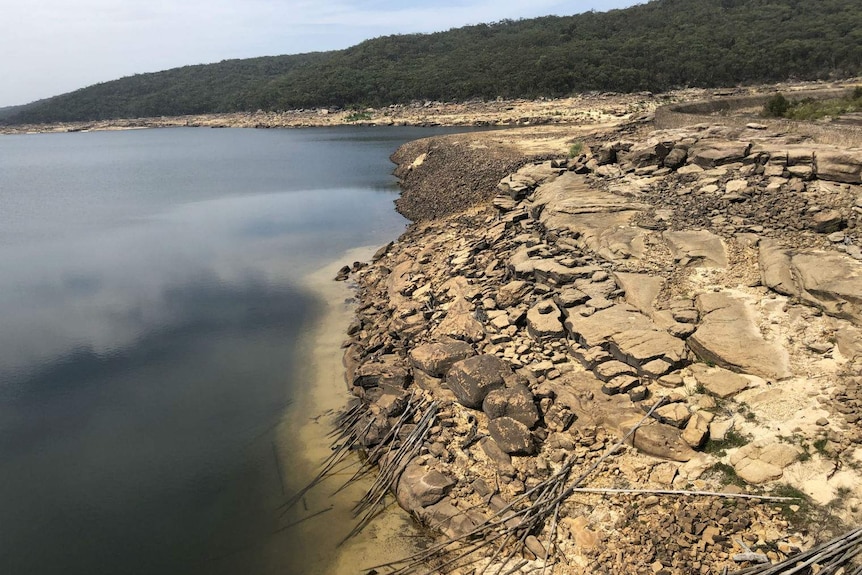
(660, 45)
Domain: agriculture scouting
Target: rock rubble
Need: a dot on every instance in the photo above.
(699, 266)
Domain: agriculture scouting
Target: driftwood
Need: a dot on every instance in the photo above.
(829, 558)
(509, 529)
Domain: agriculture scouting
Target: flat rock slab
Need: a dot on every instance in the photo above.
(763, 460)
(828, 280)
(638, 347)
(641, 290)
(597, 329)
(728, 337)
(697, 248)
(718, 381)
(600, 219)
(711, 154)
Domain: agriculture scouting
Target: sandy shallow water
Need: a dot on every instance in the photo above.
(314, 543)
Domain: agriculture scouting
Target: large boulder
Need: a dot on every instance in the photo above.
(473, 378)
(388, 370)
(515, 402)
(436, 358)
(512, 436)
(420, 487)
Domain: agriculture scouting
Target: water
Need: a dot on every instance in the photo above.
(151, 306)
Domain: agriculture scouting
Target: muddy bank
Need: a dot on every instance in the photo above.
(708, 276)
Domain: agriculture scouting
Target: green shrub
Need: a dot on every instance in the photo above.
(358, 117)
(776, 106)
(576, 149)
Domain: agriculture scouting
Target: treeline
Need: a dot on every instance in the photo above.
(657, 46)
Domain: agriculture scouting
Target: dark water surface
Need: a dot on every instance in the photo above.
(149, 313)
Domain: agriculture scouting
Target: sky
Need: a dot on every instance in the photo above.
(49, 47)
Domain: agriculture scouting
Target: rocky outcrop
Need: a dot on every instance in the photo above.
(688, 266)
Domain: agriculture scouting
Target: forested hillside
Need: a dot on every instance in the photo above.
(655, 46)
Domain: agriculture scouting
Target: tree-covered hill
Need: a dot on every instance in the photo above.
(656, 46)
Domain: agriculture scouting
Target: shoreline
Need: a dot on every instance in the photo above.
(444, 281)
(583, 109)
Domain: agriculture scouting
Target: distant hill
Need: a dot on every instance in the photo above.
(656, 46)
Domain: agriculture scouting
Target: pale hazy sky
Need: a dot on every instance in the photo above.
(48, 47)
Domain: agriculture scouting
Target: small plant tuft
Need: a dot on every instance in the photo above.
(576, 149)
(358, 117)
(727, 474)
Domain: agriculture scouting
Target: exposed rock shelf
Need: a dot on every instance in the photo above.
(717, 268)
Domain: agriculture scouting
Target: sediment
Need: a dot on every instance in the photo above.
(708, 275)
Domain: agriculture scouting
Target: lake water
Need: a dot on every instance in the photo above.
(152, 306)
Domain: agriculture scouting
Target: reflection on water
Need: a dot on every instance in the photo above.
(150, 312)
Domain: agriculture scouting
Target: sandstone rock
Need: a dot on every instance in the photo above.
(597, 329)
(840, 166)
(436, 358)
(697, 248)
(447, 518)
(473, 378)
(719, 382)
(543, 321)
(641, 290)
(460, 323)
(775, 268)
(498, 457)
(512, 436)
(763, 461)
(676, 158)
(571, 297)
(512, 293)
(712, 154)
(696, 430)
(828, 221)
(516, 402)
(830, 281)
(728, 338)
(637, 347)
(675, 414)
(849, 342)
(583, 537)
(387, 370)
(612, 369)
(418, 487)
(662, 441)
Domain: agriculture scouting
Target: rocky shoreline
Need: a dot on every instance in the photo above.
(539, 308)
